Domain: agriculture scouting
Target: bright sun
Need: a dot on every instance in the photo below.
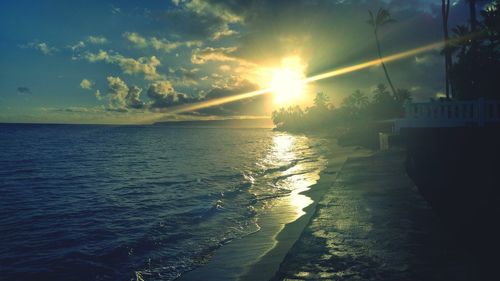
(286, 84)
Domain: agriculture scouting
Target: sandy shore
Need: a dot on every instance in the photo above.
(374, 225)
(259, 255)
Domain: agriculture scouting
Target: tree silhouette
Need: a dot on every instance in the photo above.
(445, 11)
(459, 47)
(356, 101)
(382, 18)
(321, 100)
(473, 15)
(474, 74)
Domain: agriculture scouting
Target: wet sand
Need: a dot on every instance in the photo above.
(374, 225)
(259, 255)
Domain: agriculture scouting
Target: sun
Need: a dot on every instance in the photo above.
(287, 84)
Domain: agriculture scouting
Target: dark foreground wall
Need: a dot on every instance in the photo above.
(457, 170)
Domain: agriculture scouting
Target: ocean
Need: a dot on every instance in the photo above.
(88, 202)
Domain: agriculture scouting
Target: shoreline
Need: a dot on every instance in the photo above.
(258, 256)
(268, 265)
(374, 225)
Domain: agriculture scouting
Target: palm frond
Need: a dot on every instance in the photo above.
(371, 20)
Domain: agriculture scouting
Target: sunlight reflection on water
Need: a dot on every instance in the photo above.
(301, 174)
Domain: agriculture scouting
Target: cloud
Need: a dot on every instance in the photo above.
(100, 56)
(98, 40)
(143, 65)
(98, 95)
(428, 60)
(223, 31)
(86, 84)
(79, 45)
(117, 92)
(184, 76)
(134, 98)
(222, 54)
(95, 40)
(136, 39)
(218, 9)
(254, 106)
(24, 91)
(203, 19)
(157, 44)
(115, 10)
(122, 97)
(40, 46)
(162, 94)
(73, 109)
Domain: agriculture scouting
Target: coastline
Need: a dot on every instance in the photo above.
(374, 225)
(258, 256)
(267, 266)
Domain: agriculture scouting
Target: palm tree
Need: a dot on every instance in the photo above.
(445, 10)
(360, 100)
(383, 17)
(321, 100)
(473, 16)
(458, 45)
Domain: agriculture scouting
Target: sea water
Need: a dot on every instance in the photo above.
(85, 202)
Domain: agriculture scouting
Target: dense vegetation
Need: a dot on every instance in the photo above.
(472, 56)
(357, 119)
(477, 53)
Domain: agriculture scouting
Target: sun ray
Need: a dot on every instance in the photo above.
(330, 74)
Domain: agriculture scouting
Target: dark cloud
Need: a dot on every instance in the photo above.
(206, 19)
(24, 91)
(134, 98)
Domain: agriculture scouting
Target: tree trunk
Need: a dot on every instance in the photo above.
(383, 64)
(474, 44)
(445, 9)
(473, 17)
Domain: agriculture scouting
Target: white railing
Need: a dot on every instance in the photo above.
(436, 114)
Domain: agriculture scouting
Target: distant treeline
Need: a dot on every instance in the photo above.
(358, 116)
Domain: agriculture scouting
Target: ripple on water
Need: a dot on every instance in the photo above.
(115, 203)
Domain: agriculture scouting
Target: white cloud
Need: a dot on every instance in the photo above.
(223, 31)
(117, 91)
(98, 40)
(201, 56)
(427, 60)
(184, 76)
(158, 44)
(98, 95)
(122, 97)
(77, 46)
(40, 46)
(163, 95)
(219, 11)
(136, 39)
(142, 65)
(86, 84)
(203, 7)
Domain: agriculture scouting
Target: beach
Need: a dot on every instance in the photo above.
(367, 222)
(259, 255)
(374, 225)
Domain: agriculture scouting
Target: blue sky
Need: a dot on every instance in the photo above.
(129, 61)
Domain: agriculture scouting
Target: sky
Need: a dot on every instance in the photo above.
(131, 61)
